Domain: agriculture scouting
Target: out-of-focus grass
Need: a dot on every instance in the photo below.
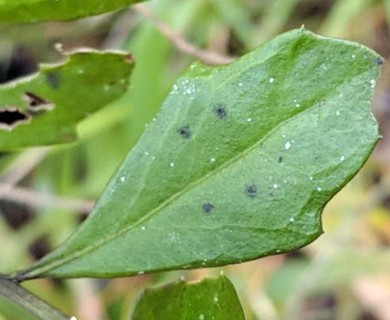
(345, 274)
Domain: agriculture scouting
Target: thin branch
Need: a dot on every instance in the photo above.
(37, 199)
(178, 40)
(23, 165)
(14, 292)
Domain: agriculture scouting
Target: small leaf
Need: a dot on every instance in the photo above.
(46, 107)
(208, 299)
(46, 10)
(238, 164)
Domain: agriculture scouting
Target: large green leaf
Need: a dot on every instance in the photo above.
(44, 10)
(237, 165)
(46, 107)
(209, 299)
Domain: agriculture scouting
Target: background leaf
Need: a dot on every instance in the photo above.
(238, 164)
(59, 96)
(207, 299)
(45, 10)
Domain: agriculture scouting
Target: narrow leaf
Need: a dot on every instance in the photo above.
(209, 299)
(46, 10)
(46, 107)
(238, 164)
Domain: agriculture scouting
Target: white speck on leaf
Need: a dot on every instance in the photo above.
(311, 178)
(292, 219)
(212, 160)
(146, 153)
(143, 228)
(201, 316)
(353, 56)
(249, 119)
(271, 80)
(275, 186)
(123, 179)
(342, 158)
(172, 164)
(287, 145)
(319, 189)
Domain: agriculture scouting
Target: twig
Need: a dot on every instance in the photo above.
(32, 304)
(178, 40)
(38, 199)
(23, 165)
(89, 304)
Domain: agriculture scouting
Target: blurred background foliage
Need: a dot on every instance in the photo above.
(46, 192)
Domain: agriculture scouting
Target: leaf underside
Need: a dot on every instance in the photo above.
(45, 108)
(208, 299)
(238, 164)
(50, 10)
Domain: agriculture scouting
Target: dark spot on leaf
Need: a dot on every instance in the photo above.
(185, 132)
(12, 117)
(280, 159)
(379, 61)
(36, 103)
(220, 111)
(207, 207)
(251, 191)
(53, 79)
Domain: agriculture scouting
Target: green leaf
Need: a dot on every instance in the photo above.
(46, 10)
(238, 164)
(208, 299)
(46, 107)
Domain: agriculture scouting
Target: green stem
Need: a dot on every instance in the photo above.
(12, 291)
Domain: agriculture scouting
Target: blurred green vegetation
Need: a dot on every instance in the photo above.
(345, 274)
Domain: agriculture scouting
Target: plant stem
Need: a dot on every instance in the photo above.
(12, 291)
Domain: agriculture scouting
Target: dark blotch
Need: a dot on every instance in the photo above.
(53, 79)
(185, 132)
(207, 207)
(39, 248)
(16, 214)
(280, 159)
(11, 117)
(220, 111)
(379, 61)
(251, 191)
